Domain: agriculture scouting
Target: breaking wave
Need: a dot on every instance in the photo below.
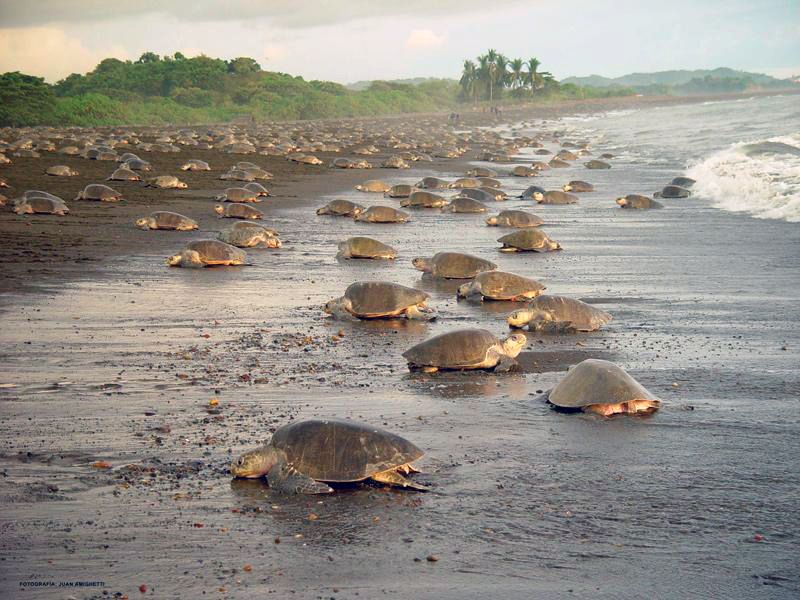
(760, 178)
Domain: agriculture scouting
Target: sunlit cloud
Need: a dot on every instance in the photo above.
(424, 38)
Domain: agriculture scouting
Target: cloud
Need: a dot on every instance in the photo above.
(424, 38)
(49, 52)
(285, 13)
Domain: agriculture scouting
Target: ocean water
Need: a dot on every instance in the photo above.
(744, 154)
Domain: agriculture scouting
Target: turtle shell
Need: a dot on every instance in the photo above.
(641, 202)
(596, 164)
(399, 191)
(341, 451)
(239, 194)
(44, 205)
(171, 220)
(242, 211)
(582, 316)
(595, 381)
(527, 239)
(530, 191)
(455, 265)
(423, 200)
(675, 191)
(558, 197)
(374, 185)
(462, 204)
(98, 191)
(462, 348)
(343, 208)
(432, 183)
(244, 234)
(477, 194)
(377, 298)
(465, 182)
(124, 174)
(364, 247)
(382, 214)
(216, 252)
(498, 285)
(518, 218)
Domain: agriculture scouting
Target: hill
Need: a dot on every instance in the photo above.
(359, 86)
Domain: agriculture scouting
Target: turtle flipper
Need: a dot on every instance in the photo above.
(421, 313)
(558, 327)
(285, 479)
(506, 364)
(392, 477)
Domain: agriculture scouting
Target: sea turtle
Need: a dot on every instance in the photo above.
(481, 172)
(238, 194)
(244, 234)
(489, 182)
(39, 205)
(162, 219)
(204, 253)
(596, 164)
(528, 240)
(543, 166)
(364, 247)
(524, 171)
(478, 194)
(380, 300)
(432, 183)
(245, 164)
(557, 163)
(515, 218)
(395, 162)
(256, 188)
(603, 388)
(637, 201)
(673, 191)
(137, 164)
(374, 185)
(303, 455)
(194, 164)
(465, 204)
(237, 175)
(498, 285)
(684, 182)
(124, 174)
(238, 211)
(530, 192)
(125, 157)
(496, 194)
(566, 155)
(399, 191)
(465, 182)
(98, 191)
(342, 163)
(559, 314)
(306, 159)
(464, 349)
(555, 197)
(422, 199)
(61, 171)
(453, 265)
(166, 182)
(340, 208)
(578, 186)
(382, 214)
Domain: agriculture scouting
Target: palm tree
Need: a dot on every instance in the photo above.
(516, 76)
(469, 80)
(501, 73)
(532, 77)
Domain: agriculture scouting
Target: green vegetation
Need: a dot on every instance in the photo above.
(180, 90)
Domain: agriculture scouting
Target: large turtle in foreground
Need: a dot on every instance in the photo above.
(40, 205)
(498, 285)
(559, 314)
(453, 265)
(301, 456)
(364, 247)
(207, 253)
(601, 387)
(380, 300)
(465, 349)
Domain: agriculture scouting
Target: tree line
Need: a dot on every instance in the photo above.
(492, 75)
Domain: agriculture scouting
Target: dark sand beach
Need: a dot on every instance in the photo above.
(109, 355)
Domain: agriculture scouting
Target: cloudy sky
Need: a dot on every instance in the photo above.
(350, 40)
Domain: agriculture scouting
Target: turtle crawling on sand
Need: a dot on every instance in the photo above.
(98, 191)
(207, 253)
(163, 219)
(364, 247)
(194, 164)
(238, 194)
(61, 171)
(399, 191)
(465, 349)
(124, 174)
(603, 388)
(245, 234)
(380, 300)
(596, 164)
(673, 191)
(684, 182)
(382, 214)
(422, 199)
(237, 211)
(559, 314)
(40, 205)
(374, 185)
(637, 201)
(166, 182)
(518, 219)
(453, 265)
(465, 205)
(341, 208)
(578, 187)
(498, 285)
(303, 455)
(528, 240)
(555, 197)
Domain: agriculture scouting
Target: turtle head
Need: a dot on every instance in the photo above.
(520, 318)
(491, 221)
(219, 209)
(622, 202)
(256, 463)
(466, 289)
(357, 210)
(145, 223)
(538, 196)
(422, 264)
(359, 187)
(552, 245)
(567, 188)
(181, 185)
(337, 307)
(272, 242)
(187, 258)
(514, 344)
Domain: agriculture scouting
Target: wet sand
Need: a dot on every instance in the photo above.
(108, 355)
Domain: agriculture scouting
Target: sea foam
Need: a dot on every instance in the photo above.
(761, 178)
